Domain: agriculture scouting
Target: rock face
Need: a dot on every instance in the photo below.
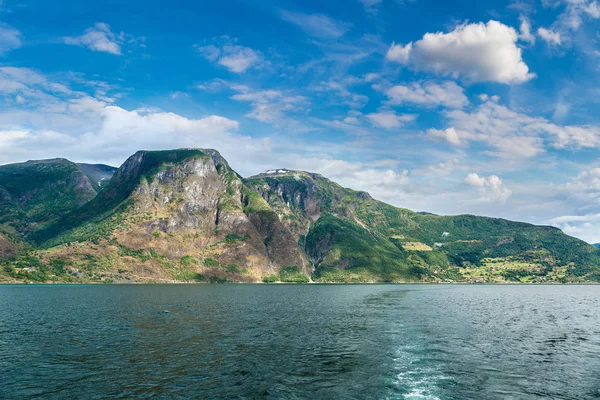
(185, 215)
(180, 215)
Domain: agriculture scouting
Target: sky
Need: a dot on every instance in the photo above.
(487, 108)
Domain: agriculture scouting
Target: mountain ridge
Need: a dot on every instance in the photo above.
(186, 215)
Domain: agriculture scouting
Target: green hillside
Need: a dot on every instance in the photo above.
(35, 193)
(350, 236)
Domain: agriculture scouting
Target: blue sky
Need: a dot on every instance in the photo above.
(489, 108)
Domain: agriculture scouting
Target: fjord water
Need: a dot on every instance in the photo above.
(310, 341)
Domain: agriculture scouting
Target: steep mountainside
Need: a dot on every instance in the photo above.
(185, 215)
(98, 174)
(35, 193)
(173, 215)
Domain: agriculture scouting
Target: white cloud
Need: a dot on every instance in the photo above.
(477, 52)
(447, 94)
(382, 183)
(58, 121)
(475, 180)
(399, 53)
(490, 189)
(233, 57)
(269, 106)
(10, 39)
(342, 93)
(585, 186)
(440, 169)
(549, 36)
(317, 25)
(585, 227)
(592, 9)
(449, 135)
(389, 119)
(575, 10)
(97, 38)
(486, 97)
(582, 194)
(514, 135)
(525, 28)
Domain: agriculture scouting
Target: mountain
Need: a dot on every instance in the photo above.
(36, 193)
(186, 215)
(98, 174)
(349, 236)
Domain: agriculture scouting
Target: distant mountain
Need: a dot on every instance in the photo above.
(99, 174)
(185, 215)
(35, 193)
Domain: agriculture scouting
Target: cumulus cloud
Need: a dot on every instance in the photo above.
(228, 54)
(399, 53)
(490, 189)
(525, 30)
(585, 186)
(60, 121)
(389, 119)
(486, 97)
(447, 94)
(510, 134)
(477, 52)
(97, 38)
(10, 39)
(383, 183)
(316, 25)
(549, 36)
(586, 227)
(449, 135)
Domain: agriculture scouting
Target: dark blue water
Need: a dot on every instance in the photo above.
(310, 341)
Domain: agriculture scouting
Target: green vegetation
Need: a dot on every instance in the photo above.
(187, 261)
(35, 193)
(360, 239)
(341, 244)
(232, 238)
(292, 275)
(271, 278)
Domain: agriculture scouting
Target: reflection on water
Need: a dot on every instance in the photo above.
(317, 341)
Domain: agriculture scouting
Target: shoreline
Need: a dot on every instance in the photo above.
(304, 284)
